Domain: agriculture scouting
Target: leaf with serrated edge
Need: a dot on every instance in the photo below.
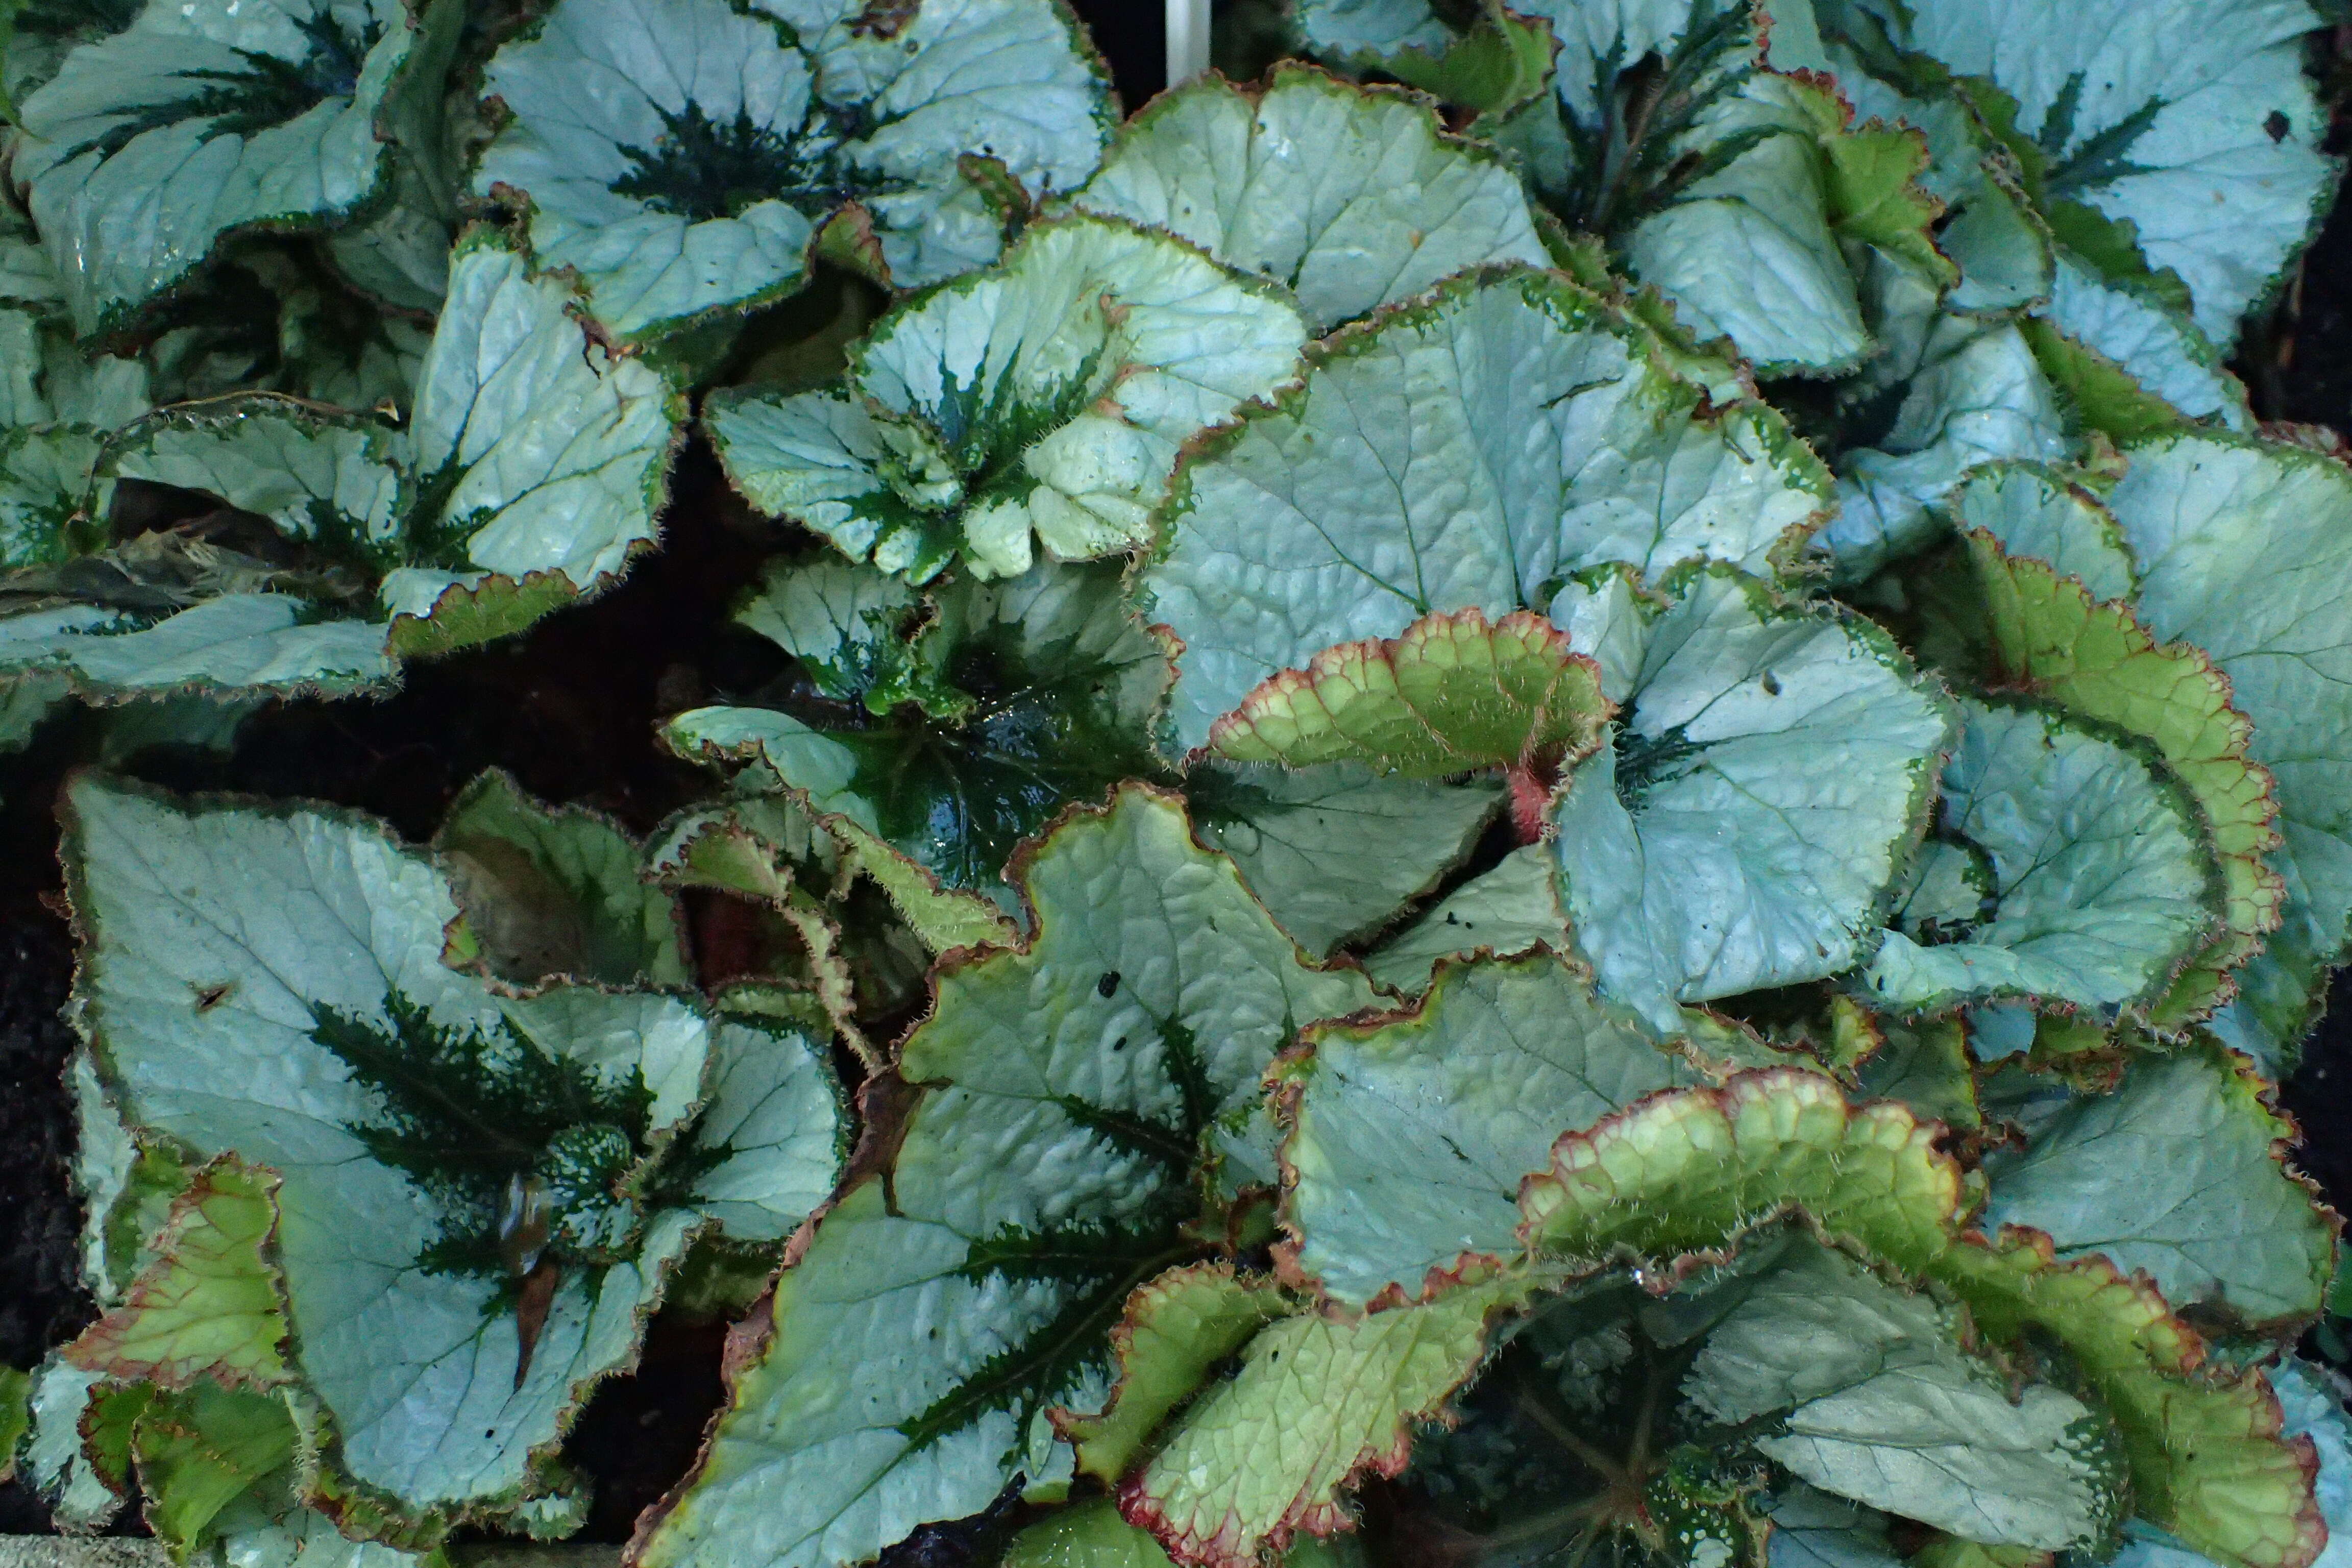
(1700, 854)
(199, 1450)
(1315, 1405)
(2096, 884)
(245, 968)
(1410, 1134)
(1072, 1090)
(720, 140)
(1176, 1329)
(1548, 436)
(1688, 1173)
(1353, 197)
(2031, 510)
(209, 1306)
(1449, 694)
(1045, 398)
(2098, 659)
(2208, 1211)
(1513, 909)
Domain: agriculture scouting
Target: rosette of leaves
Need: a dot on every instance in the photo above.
(934, 734)
(1735, 184)
(1044, 399)
(682, 157)
(528, 475)
(149, 147)
(1084, 1114)
(433, 1212)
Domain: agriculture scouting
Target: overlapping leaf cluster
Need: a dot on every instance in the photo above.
(1576, 808)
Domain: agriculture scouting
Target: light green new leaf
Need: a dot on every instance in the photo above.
(1090, 1534)
(1877, 1399)
(1745, 825)
(267, 983)
(200, 1452)
(2245, 550)
(1410, 1134)
(2206, 1209)
(1352, 198)
(1335, 851)
(1315, 1405)
(1547, 435)
(551, 891)
(682, 155)
(1073, 1091)
(528, 475)
(2064, 867)
(1046, 397)
(197, 121)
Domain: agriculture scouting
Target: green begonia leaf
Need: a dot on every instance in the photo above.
(1512, 909)
(199, 1451)
(1317, 1404)
(2097, 658)
(717, 139)
(1549, 435)
(1175, 1331)
(2033, 511)
(1073, 1090)
(209, 1305)
(1410, 1134)
(1692, 1171)
(528, 475)
(1352, 198)
(2246, 552)
(1926, 1065)
(1451, 694)
(2163, 352)
(1335, 851)
(199, 120)
(1046, 397)
(551, 891)
(1877, 1399)
(2063, 866)
(1699, 854)
(2189, 120)
(267, 983)
(843, 621)
(2207, 1211)
(1028, 695)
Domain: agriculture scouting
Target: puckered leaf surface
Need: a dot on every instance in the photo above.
(1451, 694)
(2205, 1210)
(197, 120)
(1410, 1134)
(1046, 397)
(1877, 1398)
(267, 983)
(2033, 511)
(2063, 866)
(1074, 1089)
(681, 155)
(1512, 909)
(1469, 451)
(528, 474)
(1743, 827)
(1315, 1405)
(1352, 197)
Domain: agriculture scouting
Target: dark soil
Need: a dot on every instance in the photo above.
(570, 709)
